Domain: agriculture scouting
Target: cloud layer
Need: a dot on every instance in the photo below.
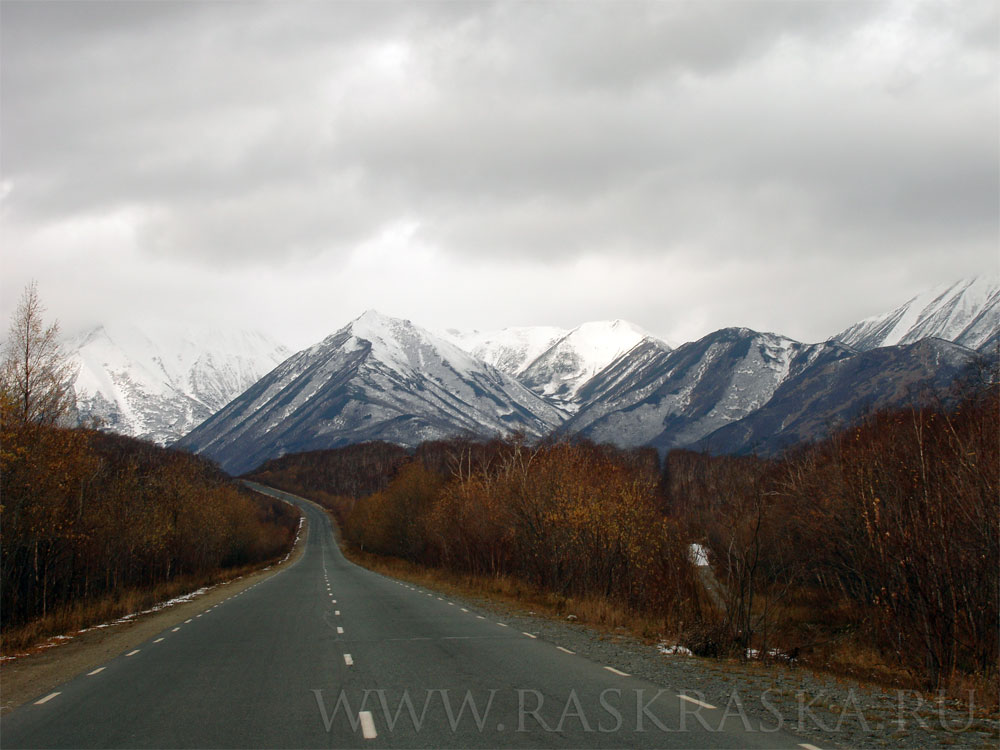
(784, 165)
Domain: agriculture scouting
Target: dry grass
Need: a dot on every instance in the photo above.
(594, 611)
(76, 617)
(839, 652)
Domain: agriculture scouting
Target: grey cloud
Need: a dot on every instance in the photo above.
(266, 133)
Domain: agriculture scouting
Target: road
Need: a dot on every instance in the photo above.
(328, 654)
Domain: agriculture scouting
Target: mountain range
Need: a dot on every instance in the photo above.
(733, 390)
(378, 378)
(160, 382)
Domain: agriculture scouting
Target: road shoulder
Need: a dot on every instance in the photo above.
(26, 677)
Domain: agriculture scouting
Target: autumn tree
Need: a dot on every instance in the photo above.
(35, 375)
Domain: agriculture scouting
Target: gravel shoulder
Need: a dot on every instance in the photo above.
(827, 712)
(27, 677)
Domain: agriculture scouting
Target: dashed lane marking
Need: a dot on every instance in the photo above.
(566, 650)
(617, 672)
(695, 701)
(367, 725)
(348, 660)
(96, 671)
(133, 653)
(340, 630)
(529, 635)
(158, 640)
(46, 699)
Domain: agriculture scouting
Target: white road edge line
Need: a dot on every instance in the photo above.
(348, 660)
(565, 649)
(91, 674)
(695, 701)
(46, 699)
(618, 672)
(367, 725)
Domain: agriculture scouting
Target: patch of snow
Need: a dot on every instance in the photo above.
(698, 554)
(675, 650)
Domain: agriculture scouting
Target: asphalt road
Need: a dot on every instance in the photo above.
(327, 654)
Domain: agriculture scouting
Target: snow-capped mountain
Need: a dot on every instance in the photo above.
(565, 367)
(553, 362)
(159, 382)
(671, 398)
(966, 313)
(378, 378)
(835, 392)
(510, 350)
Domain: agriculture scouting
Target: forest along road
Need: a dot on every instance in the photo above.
(328, 654)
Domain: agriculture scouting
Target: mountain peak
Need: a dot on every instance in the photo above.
(966, 312)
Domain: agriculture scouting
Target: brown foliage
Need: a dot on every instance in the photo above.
(571, 518)
(86, 515)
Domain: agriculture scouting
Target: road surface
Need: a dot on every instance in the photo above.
(328, 654)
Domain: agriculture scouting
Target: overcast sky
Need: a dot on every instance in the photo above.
(786, 166)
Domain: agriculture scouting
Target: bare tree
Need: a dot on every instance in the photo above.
(35, 377)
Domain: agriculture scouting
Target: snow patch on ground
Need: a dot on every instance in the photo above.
(674, 650)
(698, 554)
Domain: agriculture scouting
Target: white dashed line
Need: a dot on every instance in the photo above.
(336, 613)
(99, 669)
(175, 629)
(367, 725)
(807, 746)
(187, 621)
(451, 604)
(464, 609)
(695, 701)
(158, 640)
(529, 635)
(617, 672)
(133, 653)
(46, 699)
(340, 631)
(348, 660)
(480, 617)
(502, 624)
(566, 650)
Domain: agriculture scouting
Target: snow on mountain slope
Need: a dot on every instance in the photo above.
(562, 370)
(829, 394)
(671, 398)
(159, 382)
(966, 313)
(378, 378)
(510, 350)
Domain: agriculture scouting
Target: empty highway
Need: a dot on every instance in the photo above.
(327, 654)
